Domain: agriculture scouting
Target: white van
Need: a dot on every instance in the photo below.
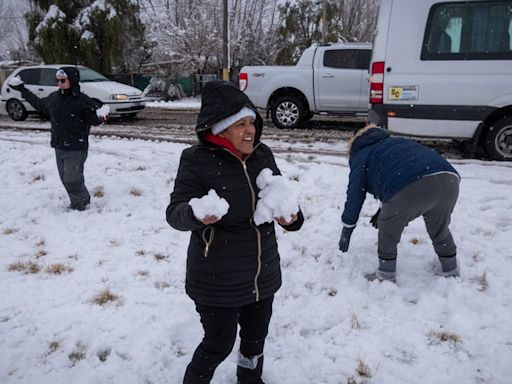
(443, 69)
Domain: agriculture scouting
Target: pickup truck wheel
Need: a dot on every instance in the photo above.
(16, 110)
(498, 141)
(288, 112)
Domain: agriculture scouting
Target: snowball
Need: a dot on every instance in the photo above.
(14, 81)
(104, 111)
(209, 205)
(279, 197)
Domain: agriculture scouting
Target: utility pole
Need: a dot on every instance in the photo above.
(225, 45)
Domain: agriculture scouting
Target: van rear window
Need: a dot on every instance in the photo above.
(473, 30)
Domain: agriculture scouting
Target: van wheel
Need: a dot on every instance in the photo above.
(498, 140)
(288, 112)
(16, 110)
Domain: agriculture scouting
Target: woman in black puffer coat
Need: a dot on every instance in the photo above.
(233, 266)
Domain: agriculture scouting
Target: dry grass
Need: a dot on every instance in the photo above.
(58, 269)
(484, 284)
(78, 354)
(140, 252)
(40, 253)
(140, 168)
(136, 192)
(162, 285)
(28, 268)
(9, 231)
(161, 257)
(41, 242)
(16, 267)
(437, 337)
(354, 322)
(53, 346)
(105, 297)
(143, 273)
(363, 369)
(98, 192)
(37, 178)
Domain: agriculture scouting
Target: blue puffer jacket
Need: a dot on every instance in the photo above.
(383, 165)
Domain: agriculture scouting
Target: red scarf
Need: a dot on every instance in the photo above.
(222, 142)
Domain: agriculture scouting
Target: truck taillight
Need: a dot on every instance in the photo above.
(377, 82)
(242, 81)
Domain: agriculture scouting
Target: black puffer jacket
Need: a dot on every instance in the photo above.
(71, 113)
(233, 262)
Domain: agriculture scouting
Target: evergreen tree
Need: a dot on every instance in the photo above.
(105, 35)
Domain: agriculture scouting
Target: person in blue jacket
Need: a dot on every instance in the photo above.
(410, 180)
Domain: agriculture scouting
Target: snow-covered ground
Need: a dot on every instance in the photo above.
(98, 296)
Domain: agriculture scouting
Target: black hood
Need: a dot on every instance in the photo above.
(221, 99)
(74, 78)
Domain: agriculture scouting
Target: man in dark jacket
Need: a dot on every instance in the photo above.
(71, 114)
(233, 265)
(410, 180)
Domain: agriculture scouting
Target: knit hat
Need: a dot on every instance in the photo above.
(73, 75)
(225, 123)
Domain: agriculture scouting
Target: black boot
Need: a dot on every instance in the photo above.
(250, 376)
(191, 378)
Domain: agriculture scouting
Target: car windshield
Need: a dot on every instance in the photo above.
(89, 75)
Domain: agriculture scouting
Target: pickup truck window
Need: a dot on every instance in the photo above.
(347, 58)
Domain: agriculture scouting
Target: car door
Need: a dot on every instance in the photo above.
(339, 81)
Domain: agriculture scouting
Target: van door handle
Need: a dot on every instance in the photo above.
(41, 89)
(328, 76)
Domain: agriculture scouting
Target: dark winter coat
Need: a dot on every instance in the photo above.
(383, 165)
(232, 262)
(71, 113)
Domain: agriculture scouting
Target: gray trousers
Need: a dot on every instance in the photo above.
(432, 197)
(70, 164)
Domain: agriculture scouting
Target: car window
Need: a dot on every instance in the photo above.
(48, 76)
(364, 57)
(88, 75)
(469, 31)
(347, 58)
(30, 76)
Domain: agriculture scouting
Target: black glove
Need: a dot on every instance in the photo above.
(374, 221)
(17, 87)
(346, 232)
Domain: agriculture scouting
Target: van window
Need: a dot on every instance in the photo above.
(30, 76)
(347, 58)
(473, 30)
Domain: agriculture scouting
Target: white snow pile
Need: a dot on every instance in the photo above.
(209, 205)
(104, 111)
(14, 81)
(279, 197)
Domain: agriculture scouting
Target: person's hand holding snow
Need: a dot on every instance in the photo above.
(278, 199)
(103, 113)
(16, 83)
(210, 208)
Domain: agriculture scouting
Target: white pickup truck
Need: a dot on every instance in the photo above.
(330, 79)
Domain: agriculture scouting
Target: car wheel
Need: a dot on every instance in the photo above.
(288, 112)
(498, 140)
(16, 110)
